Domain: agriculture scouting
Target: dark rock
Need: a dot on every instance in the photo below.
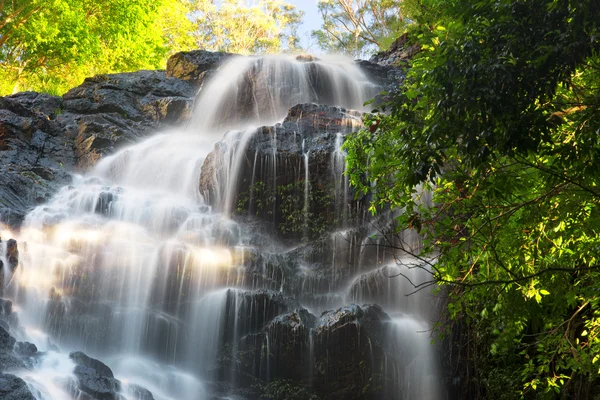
(5, 308)
(94, 377)
(349, 353)
(26, 349)
(138, 392)
(109, 111)
(272, 180)
(249, 312)
(14, 388)
(12, 254)
(7, 342)
(193, 65)
(11, 362)
(43, 139)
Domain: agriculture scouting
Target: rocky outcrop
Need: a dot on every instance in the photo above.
(195, 66)
(109, 111)
(14, 355)
(14, 388)
(272, 183)
(401, 51)
(94, 377)
(43, 138)
(34, 152)
(343, 354)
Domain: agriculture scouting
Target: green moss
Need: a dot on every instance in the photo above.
(285, 389)
(292, 218)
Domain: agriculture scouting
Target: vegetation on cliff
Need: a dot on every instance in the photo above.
(499, 118)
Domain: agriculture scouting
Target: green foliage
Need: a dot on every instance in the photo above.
(498, 118)
(51, 45)
(358, 27)
(267, 26)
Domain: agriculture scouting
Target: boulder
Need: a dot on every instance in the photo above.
(94, 377)
(26, 349)
(14, 388)
(193, 65)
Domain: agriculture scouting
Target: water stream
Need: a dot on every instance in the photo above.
(133, 265)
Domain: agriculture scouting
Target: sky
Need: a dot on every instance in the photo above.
(312, 21)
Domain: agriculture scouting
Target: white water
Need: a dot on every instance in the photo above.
(142, 262)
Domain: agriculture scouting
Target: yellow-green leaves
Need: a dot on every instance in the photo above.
(267, 26)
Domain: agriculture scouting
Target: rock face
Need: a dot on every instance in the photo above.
(94, 377)
(340, 355)
(13, 355)
(194, 66)
(9, 251)
(273, 183)
(14, 388)
(44, 138)
(398, 55)
(350, 354)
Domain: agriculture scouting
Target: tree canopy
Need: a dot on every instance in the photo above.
(52, 45)
(358, 27)
(267, 26)
(499, 118)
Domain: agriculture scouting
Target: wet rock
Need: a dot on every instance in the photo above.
(44, 138)
(272, 182)
(14, 388)
(193, 65)
(5, 308)
(26, 349)
(94, 377)
(11, 362)
(7, 342)
(349, 353)
(12, 254)
(7, 315)
(109, 111)
(138, 392)
(32, 151)
(249, 312)
(289, 346)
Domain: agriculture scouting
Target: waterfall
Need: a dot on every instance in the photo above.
(134, 264)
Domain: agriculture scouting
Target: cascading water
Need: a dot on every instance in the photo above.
(132, 263)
